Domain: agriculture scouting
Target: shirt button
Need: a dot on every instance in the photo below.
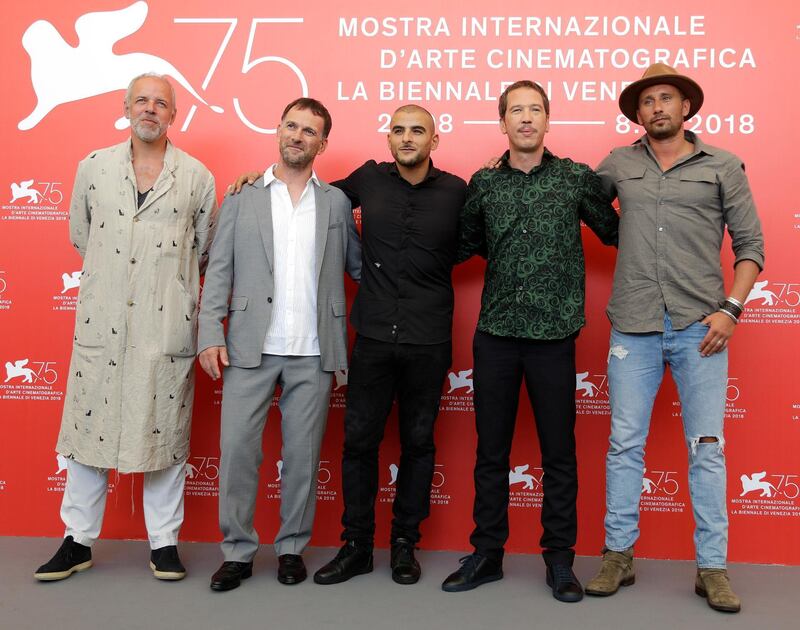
(519, 288)
(660, 229)
(524, 231)
(394, 327)
(136, 219)
(131, 302)
(269, 300)
(663, 177)
(133, 261)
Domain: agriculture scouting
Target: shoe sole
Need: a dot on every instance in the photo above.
(626, 582)
(468, 587)
(571, 599)
(292, 580)
(405, 580)
(63, 575)
(704, 594)
(219, 587)
(167, 575)
(342, 578)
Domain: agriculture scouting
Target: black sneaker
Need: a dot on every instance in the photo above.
(475, 569)
(166, 564)
(70, 558)
(565, 585)
(405, 568)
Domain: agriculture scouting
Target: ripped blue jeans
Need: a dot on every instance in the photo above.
(635, 370)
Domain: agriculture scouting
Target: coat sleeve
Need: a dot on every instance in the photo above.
(205, 222)
(219, 278)
(353, 257)
(80, 216)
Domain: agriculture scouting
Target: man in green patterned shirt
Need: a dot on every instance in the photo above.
(525, 217)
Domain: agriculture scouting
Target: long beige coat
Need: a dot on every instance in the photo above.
(129, 395)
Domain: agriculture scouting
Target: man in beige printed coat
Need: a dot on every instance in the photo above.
(141, 217)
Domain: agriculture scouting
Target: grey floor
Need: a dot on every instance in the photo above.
(120, 593)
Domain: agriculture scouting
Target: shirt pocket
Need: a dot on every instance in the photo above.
(631, 187)
(699, 188)
(90, 316)
(180, 321)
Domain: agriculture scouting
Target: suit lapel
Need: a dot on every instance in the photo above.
(323, 206)
(263, 211)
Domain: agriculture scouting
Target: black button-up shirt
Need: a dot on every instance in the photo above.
(409, 237)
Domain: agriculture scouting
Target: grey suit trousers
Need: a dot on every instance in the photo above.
(246, 397)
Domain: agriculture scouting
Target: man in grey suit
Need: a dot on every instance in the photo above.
(276, 271)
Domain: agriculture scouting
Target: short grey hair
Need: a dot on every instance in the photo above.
(151, 75)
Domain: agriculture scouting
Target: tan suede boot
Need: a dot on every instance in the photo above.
(715, 586)
(615, 571)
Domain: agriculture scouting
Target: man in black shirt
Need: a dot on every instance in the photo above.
(403, 316)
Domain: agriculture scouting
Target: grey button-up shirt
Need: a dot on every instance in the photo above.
(670, 233)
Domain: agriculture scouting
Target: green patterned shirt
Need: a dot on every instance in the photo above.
(528, 227)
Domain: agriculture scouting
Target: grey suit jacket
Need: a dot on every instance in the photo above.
(239, 283)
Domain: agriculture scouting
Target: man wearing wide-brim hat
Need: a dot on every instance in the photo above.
(669, 306)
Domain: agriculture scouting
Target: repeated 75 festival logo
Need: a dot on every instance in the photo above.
(767, 493)
(62, 74)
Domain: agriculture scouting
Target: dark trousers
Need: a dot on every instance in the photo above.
(549, 371)
(379, 372)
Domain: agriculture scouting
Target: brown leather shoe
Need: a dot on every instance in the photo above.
(715, 586)
(616, 570)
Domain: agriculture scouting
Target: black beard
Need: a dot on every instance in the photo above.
(409, 161)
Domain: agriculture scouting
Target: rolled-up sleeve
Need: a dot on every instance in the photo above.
(740, 215)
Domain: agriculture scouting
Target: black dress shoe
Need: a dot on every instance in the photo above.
(230, 575)
(474, 571)
(352, 560)
(566, 587)
(291, 569)
(405, 568)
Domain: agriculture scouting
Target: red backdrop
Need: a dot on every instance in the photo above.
(235, 68)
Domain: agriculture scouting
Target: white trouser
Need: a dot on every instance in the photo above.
(84, 503)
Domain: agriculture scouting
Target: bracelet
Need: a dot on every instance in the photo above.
(735, 302)
(729, 314)
(733, 308)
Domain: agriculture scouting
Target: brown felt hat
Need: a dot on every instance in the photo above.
(657, 74)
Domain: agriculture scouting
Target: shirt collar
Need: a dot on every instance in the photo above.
(269, 176)
(169, 154)
(546, 157)
(699, 145)
(433, 172)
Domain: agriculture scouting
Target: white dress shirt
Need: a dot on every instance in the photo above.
(293, 328)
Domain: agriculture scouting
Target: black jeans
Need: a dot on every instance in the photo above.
(379, 372)
(549, 371)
